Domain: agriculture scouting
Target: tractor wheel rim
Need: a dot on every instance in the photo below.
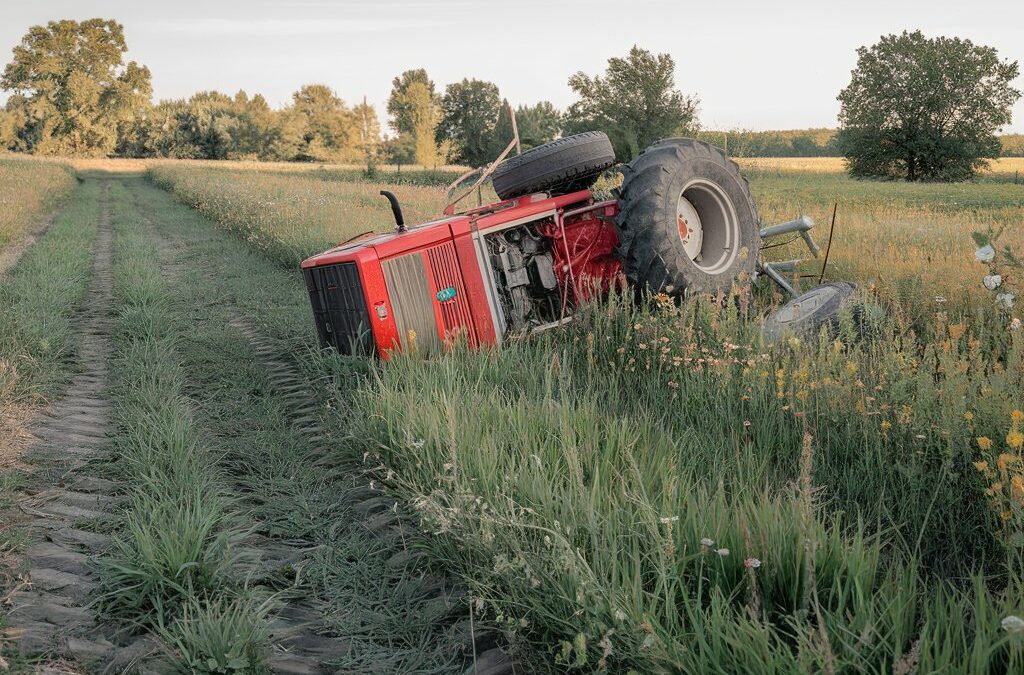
(712, 232)
(691, 232)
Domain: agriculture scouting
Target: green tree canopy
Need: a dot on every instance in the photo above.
(469, 111)
(636, 102)
(74, 87)
(399, 101)
(924, 108)
(330, 128)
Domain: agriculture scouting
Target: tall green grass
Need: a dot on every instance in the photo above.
(571, 479)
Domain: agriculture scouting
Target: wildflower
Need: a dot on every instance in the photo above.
(620, 615)
(753, 563)
(1017, 488)
(746, 424)
(1013, 624)
(1003, 460)
(985, 254)
(969, 416)
(794, 343)
(665, 520)
(1015, 324)
(886, 425)
(707, 541)
(940, 299)
(418, 443)
(1017, 416)
(1015, 439)
(984, 442)
(851, 367)
(1005, 300)
(722, 552)
(993, 281)
(981, 466)
(673, 385)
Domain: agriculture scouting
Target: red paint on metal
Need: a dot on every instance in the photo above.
(586, 254)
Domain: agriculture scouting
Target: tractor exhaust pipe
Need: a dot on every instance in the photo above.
(396, 209)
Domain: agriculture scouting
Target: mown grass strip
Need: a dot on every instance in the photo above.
(387, 608)
(175, 566)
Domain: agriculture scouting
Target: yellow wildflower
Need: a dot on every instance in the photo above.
(1015, 439)
(984, 442)
(851, 367)
(886, 425)
(1017, 488)
(969, 416)
(981, 466)
(1004, 459)
(1017, 416)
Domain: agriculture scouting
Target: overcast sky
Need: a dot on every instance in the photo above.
(754, 64)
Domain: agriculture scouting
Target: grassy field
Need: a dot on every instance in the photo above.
(652, 488)
(30, 190)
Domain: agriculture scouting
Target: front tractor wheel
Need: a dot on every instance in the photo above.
(686, 221)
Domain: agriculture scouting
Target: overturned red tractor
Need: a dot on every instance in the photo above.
(683, 221)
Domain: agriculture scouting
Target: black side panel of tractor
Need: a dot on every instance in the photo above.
(339, 309)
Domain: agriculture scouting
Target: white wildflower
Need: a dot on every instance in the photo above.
(722, 552)
(752, 562)
(1015, 324)
(665, 520)
(940, 299)
(985, 254)
(1005, 300)
(418, 443)
(992, 281)
(620, 615)
(1013, 624)
(707, 542)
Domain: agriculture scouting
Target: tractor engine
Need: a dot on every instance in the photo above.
(527, 286)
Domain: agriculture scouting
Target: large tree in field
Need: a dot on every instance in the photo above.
(924, 108)
(330, 128)
(399, 102)
(469, 110)
(636, 102)
(75, 87)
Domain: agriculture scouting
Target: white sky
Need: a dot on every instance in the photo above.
(754, 64)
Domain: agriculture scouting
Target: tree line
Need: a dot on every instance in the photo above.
(916, 107)
(73, 94)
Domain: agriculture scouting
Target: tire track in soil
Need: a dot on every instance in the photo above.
(298, 648)
(297, 645)
(69, 501)
(373, 506)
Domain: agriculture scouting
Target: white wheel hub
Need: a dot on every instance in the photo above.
(691, 232)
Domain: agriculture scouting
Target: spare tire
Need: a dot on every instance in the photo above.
(566, 165)
(818, 308)
(686, 220)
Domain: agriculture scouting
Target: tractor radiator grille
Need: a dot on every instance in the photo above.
(412, 301)
(427, 296)
(339, 309)
(448, 279)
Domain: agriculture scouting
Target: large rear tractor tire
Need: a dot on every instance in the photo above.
(686, 222)
(559, 167)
